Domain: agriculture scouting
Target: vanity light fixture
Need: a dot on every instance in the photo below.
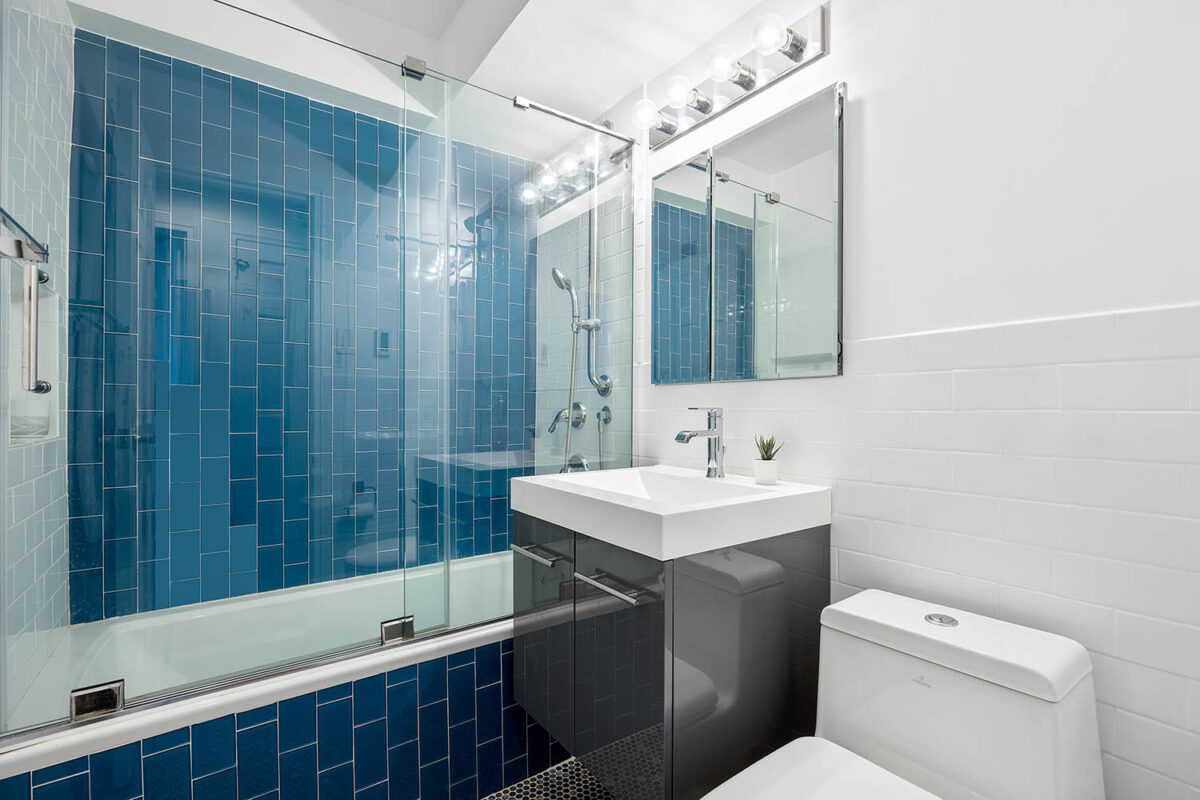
(778, 49)
(647, 117)
(724, 65)
(529, 194)
(772, 35)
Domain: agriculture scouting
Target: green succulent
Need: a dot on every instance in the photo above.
(767, 448)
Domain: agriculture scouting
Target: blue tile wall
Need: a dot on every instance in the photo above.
(446, 728)
(680, 305)
(256, 351)
(733, 280)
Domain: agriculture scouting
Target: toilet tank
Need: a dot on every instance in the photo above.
(978, 709)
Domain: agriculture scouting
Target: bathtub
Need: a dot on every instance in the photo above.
(163, 652)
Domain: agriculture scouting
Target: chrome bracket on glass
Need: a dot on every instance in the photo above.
(33, 278)
(23, 247)
(96, 701)
(625, 593)
(396, 630)
(413, 67)
(549, 560)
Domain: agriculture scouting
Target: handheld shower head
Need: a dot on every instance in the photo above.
(563, 282)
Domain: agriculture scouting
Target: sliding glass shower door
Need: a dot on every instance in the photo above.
(300, 333)
(496, 199)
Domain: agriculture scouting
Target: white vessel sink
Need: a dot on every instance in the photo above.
(670, 512)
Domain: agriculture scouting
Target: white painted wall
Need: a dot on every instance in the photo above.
(1006, 163)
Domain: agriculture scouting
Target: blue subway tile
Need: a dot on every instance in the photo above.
(218, 786)
(258, 760)
(370, 753)
(167, 775)
(213, 746)
(334, 725)
(336, 783)
(435, 781)
(298, 774)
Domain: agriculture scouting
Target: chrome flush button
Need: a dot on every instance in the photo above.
(944, 620)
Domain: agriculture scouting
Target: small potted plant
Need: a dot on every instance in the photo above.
(766, 468)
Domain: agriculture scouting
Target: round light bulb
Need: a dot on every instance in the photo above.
(679, 89)
(569, 164)
(529, 194)
(547, 180)
(590, 150)
(722, 63)
(645, 114)
(770, 34)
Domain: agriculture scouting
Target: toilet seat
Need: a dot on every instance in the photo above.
(816, 769)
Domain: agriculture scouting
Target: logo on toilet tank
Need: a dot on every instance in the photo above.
(920, 681)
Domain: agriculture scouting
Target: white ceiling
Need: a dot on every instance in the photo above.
(585, 56)
(581, 56)
(424, 17)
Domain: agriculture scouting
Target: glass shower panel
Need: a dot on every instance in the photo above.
(300, 337)
(229, 372)
(425, 237)
(530, 194)
(793, 252)
(35, 129)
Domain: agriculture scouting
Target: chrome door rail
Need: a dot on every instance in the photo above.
(526, 104)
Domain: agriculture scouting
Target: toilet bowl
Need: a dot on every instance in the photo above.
(920, 702)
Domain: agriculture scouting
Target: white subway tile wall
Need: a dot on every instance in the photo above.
(1046, 473)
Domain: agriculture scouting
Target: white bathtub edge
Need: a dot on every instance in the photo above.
(64, 744)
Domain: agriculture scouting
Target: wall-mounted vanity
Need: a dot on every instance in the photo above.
(746, 253)
(667, 624)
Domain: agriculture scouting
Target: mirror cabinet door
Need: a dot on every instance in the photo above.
(746, 253)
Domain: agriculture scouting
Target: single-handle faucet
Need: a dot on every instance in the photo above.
(716, 442)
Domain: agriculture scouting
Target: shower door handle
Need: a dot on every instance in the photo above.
(33, 278)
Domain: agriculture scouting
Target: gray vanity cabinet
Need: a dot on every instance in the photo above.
(543, 622)
(665, 678)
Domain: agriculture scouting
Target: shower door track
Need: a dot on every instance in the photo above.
(11, 745)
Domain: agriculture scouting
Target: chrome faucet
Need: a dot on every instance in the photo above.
(716, 441)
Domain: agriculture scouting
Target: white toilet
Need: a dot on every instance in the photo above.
(921, 702)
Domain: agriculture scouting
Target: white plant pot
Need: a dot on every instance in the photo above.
(766, 473)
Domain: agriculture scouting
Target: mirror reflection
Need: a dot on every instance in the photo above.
(746, 259)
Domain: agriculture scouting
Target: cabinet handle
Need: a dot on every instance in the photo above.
(545, 562)
(631, 599)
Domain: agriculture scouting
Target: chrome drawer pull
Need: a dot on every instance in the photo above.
(631, 599)
(545, 562)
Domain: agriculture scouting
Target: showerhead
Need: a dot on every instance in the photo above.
(563, 282)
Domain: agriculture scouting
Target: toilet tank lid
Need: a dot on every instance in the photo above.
(1033, 662)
